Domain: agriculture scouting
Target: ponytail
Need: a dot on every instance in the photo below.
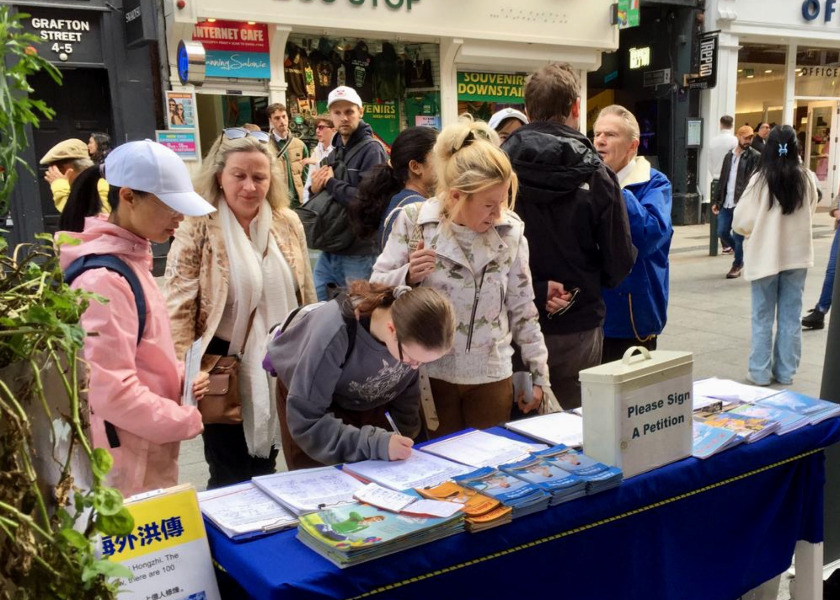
(420, 315)
(374, 194)
(83, 201)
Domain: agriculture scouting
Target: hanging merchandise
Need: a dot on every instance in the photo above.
(423, 109)
(325, 62)
(418, 71)
(358, 65)
(295, 65)
(389, 83)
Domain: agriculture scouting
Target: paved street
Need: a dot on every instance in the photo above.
(707, 315)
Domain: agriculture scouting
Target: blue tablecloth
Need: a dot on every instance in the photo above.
(693, 530)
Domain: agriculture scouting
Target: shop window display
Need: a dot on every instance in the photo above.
(397, 82)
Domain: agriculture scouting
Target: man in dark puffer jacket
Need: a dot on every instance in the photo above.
(576, 224)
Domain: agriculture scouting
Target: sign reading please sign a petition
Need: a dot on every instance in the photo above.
(234, 48)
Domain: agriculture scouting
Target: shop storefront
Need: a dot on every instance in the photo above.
(108, 72)
(414, 62)
(779, 63)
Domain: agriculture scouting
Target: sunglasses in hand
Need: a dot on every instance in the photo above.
(564, 309)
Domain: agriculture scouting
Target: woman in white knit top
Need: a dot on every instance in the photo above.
(774, 213)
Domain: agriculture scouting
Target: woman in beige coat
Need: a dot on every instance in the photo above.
(248, 258)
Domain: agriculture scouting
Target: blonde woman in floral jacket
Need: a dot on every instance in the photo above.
(250, 256)
(469, 244)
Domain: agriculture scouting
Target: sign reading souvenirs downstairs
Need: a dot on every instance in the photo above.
(490, 87)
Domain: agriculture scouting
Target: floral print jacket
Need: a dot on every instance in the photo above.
(494, 304)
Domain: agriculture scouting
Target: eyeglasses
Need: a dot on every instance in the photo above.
(405, 358)
(237, 133)
(561, 311)
(322, 126)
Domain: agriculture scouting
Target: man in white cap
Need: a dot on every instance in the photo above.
(506, 121)
(360, 152)
(64, 162)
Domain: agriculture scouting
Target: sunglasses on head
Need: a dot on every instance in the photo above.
(561, 311)
(322, 126)
(237, 133)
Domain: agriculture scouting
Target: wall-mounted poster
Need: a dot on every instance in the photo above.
(180, 110)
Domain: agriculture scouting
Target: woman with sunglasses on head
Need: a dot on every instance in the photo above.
(468, 243)
(230, 276)
(774, 213)
(346, 367)
(135, 378)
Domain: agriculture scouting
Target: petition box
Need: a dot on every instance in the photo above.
(637, 411)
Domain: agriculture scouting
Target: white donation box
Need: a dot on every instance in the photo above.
(637, 410)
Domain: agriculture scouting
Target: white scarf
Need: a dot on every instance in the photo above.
(260, 278)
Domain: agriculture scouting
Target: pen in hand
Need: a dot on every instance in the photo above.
(391, 423)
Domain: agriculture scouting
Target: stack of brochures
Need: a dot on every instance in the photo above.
(309, 490)
(748, 429)
(481, 449)
(523, 497)
(787, 419)
(598, 476)
(350, 534)
(710, 440)
(814, 409)
(555, 428)
(243, 510)
(481, 512)
(418, 471)
(561, 484)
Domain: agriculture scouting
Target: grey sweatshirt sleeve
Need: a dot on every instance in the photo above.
(405, 409)
(308, 360)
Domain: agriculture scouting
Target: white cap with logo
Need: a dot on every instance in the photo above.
(504, 115)
(347, 94)
(147, 166)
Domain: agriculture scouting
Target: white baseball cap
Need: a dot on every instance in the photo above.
(504, 114)
(150, 167)
(345, 93)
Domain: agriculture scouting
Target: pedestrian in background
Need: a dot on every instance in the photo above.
(637, 309)
(815, 319)
(99, 145)
(469, 244)
(230, 277)
(324, 132)
(775, 214)
(408, 177)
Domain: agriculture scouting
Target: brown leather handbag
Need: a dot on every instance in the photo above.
(222, 404)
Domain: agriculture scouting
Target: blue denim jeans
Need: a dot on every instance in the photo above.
(340, 269)
(729, 237)
(778, 299)
(828, 283)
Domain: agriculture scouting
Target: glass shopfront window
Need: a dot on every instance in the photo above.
(817, 72)
(761, 84)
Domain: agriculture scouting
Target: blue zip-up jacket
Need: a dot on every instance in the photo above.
(638, 307)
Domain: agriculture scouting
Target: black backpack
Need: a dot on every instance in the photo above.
(117, 265)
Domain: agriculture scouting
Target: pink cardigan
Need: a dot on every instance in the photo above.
(135, 387)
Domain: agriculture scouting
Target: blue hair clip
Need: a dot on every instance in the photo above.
(783, 149)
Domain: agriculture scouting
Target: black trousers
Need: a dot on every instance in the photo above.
(225, 449)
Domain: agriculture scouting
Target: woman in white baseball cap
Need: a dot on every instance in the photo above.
(135, 378)
(231, 276)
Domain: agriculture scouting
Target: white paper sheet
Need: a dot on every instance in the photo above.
(192, 365)
(726, 389)
(480, 449)
(309, 490)
(243, 508)
(417, 471)
(376, 495)
(555, 428)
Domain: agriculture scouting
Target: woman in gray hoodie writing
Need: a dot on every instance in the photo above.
(346, 363)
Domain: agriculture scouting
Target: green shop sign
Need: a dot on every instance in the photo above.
(628, 14)
(490, 87)
(383, 118)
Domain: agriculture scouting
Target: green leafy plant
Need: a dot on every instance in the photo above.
(46, 531)
(19, 59)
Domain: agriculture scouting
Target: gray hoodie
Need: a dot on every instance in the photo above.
(307, 358)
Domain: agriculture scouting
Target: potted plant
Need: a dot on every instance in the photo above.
(53, 499)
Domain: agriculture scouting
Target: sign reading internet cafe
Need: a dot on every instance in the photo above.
(491, 87)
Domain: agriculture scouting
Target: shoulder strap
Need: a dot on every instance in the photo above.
(349, 321)
(357, 148)
(389, 220)
(117, 265)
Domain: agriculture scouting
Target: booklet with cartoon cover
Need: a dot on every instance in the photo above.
(751, 429)
(561, 484)
(710, 440)
(598, 476)
(350, 534)
(522, 496)
(481, 512)
(787, 419)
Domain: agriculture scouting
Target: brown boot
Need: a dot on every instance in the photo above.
(734, 272)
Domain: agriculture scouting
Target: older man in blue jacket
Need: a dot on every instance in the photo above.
(637, 308)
